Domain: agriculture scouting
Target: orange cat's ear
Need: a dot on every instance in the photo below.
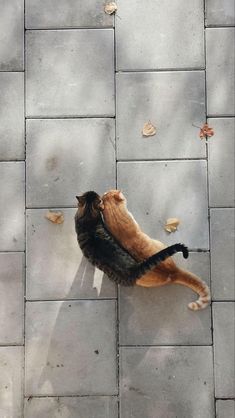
(119, 196)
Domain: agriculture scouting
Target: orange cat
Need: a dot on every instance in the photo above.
(125, 229)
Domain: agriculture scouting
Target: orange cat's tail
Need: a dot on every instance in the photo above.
(186, 278)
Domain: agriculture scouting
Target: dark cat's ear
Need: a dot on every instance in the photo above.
(119, 196)
(81, 200)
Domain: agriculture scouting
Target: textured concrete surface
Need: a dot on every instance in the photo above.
(220, 71)
(62, 79)
(154, 379)
(222, 253)
(73, 407)
(75, 91)
(225, 408)
(221, 163)
(66, 14)
(12, 142)
(12, 298)
(145, 96)
(11, 381)
(186, 198)
(12, 35)
(69, 276)
(90, 368)
(224, 337)
(65, 157)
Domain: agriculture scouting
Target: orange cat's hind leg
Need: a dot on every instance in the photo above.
(154, 280)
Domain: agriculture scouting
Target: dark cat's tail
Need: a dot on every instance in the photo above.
(157, 258)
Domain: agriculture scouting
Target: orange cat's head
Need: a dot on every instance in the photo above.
(113, 197)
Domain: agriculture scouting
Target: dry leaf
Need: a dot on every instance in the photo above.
(55, 217)
(148, 129)
(206, 131)
(110, 8)
(171, 224)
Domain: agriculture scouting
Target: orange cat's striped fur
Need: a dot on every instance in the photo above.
(125, 229)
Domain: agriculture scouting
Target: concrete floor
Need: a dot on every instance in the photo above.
(76, 88)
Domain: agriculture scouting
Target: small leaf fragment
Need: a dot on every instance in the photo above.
(110, 8)
(55, 217)
(206, 131)
(148, 129)
(171, 224)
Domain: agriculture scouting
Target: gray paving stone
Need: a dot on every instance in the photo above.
(66, 14)
(225, 409)
(68, 157)
(224, 326)
(156, 191)
(220, 71)
(146, 96)
(166, 382)
(220, 13)
(157, 37)
(83, 407)
(222, 254)
(221, 162)
(12, 298)
(71, 348)
(160, 316)
(12, 116)
(56, 268)
(11, 382)
(12, 35)
(12, 206)
(70, 73)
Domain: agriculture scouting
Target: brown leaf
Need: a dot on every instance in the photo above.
(206, 131)
(171, 224)
(148, 129)
(110, 8)
(55, 217)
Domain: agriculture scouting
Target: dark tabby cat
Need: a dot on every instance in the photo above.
(103, 251)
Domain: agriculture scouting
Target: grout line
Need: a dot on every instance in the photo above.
(70, 117)
(219, 26)
(208, 203)
(72, 28)
(70, 396)
(11, 345)
(70, 300)
(159, 70)
(164, 345)
(160, 159)
(220, 116)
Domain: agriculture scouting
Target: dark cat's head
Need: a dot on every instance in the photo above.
(89, 204)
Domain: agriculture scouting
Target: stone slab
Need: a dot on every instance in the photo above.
(225, 408)
(220, 13)
(12, 35)
(72, 407)
(159, 190)
(71, 348)
(60, 14)
(12, 142)
(222, 253)
(12, 222)
(67, 157)
(224, 337)
(160, 316)
(56, 268)
(221, 162)
(65, 78)
(220, 71)
(166, 382)
(12, 298)
(150, 36)
(146, 96)
(11, 382)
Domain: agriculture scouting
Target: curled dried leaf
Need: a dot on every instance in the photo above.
(206, 131)
(55, 217)
(110, 8)
(171, 224)
(148, 129)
